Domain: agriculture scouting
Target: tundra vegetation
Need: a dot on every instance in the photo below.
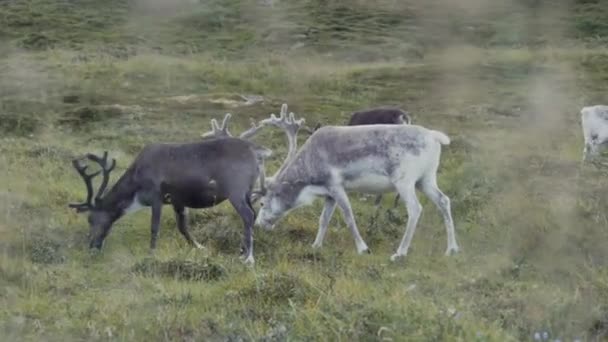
(505, 80)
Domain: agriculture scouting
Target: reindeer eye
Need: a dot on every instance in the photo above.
(594, 137)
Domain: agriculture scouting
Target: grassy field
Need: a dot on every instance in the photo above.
(505, 80)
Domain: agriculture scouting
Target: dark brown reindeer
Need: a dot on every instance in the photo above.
(186, 175)
(375, 116)
(379, 116)
(382, 115)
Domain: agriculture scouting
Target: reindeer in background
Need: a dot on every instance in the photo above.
(594, 122)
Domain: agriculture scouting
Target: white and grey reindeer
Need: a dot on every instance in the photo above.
(378, 116)
(372, 159)
(594, 121)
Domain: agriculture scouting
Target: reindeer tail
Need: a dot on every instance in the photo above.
(440, 137)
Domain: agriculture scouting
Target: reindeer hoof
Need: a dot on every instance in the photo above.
(198, 246)
(249, 261)
(317, 245)
(397, 256)
(452, 250)
(364, 251)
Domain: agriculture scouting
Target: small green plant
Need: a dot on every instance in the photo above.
(180, 269)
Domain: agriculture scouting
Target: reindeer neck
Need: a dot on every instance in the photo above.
(121, 192)
(298, 170)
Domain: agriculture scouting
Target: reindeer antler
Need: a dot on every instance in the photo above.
(253, 130)
(286, 122)
(88, 179)
(219, 131)
(105, 169)
(290, 125)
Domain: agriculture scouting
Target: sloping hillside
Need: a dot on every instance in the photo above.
(505, 80)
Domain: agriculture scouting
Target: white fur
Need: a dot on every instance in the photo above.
(309, 194)
(441, 138)
(134, 206)
(398, 169)
(593, 124)
(370, 183)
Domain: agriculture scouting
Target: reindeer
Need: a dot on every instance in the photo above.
(594, 121)
(382, 115)
(372, 159)
(186, 175)
(378, 116)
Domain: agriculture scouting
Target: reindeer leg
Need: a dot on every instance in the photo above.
(326, 214)
(182, 225)
(242, 204)
(157, 207)
(392, 216)
(341, 199)
(377, 203)
(429, 187)
(414, 210)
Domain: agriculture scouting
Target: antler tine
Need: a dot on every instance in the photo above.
(214, 126)
(80, 207)
(105, 169)
(292, 120)
(253, 130)
(290, 125)
(224, 127)
(287, 122)
(217, 130)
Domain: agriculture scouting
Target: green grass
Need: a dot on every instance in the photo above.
(505, 82)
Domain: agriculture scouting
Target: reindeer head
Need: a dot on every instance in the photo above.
(279, 199)
(100, 218)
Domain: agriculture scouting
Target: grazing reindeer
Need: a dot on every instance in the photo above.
(594, 121)
(186, 175)
(371, 159)
(379, 116)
